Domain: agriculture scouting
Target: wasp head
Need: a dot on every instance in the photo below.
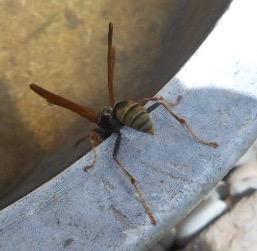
(104, 117)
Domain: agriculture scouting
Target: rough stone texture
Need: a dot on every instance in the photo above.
(206, 212)
(235, 231)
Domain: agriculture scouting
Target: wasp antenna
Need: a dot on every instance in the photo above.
(110, 64)
(110, 32)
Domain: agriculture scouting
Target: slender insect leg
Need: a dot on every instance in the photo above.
(168, 105)
(155, 105)
(94, 141)
(86, 137)
(133, 181)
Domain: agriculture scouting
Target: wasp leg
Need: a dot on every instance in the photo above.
(133, 181)
(155, 105)
(86, 137)
(168, 105)
(93, 135)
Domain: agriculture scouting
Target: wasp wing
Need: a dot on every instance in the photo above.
(63, 102)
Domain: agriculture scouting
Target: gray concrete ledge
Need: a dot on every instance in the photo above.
(99, 210)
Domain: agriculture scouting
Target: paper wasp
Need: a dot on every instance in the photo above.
(113, 117)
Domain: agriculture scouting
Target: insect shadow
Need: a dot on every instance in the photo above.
(112, 118)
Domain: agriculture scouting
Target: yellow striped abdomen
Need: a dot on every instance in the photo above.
(134, 115)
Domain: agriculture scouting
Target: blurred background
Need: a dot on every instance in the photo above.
(62, 46)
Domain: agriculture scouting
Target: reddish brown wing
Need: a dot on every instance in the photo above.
(63, 102)
(110, 64)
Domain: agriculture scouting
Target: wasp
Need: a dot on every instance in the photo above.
(112, 118)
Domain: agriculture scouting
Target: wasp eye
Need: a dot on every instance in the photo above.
(107, 112)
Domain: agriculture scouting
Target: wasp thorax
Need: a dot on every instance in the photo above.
(134, 115)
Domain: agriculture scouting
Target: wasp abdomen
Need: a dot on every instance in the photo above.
(134, 115)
